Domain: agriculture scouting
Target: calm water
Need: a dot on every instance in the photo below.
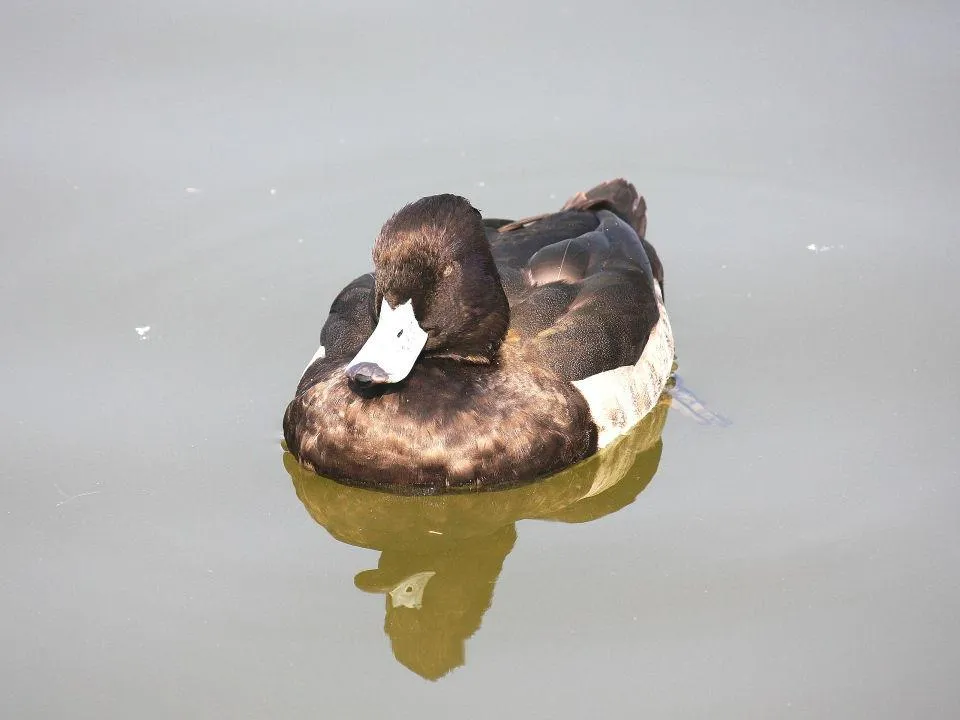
(217, 171)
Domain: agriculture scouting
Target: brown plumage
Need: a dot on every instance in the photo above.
(513, 311)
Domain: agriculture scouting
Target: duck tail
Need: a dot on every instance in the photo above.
(622, 198)
(619, 196)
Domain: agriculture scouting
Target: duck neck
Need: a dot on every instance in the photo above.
(485, 321)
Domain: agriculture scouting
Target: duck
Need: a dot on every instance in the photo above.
(483, 353)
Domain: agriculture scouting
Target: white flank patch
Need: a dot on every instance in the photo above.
(621, 397)
(396, 342)
(318, 355)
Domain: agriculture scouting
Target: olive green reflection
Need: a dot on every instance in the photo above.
(441, 555)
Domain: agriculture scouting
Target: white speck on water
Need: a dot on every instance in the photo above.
(553, 196)
(822, 249)
(142, 331)
(300, 240)
(723, 267)
(434, 532)
(191, 190)
(69, 498)
(481, 183)
(273, 191)
(812, 247)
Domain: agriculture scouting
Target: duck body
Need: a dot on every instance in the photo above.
(484, 353)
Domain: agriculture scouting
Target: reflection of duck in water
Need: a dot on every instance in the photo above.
(436, 597)
(441, 555)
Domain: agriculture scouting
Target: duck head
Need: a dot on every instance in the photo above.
(438, 292)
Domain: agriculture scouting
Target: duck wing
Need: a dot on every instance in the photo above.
(621, 197)
(351, 319)
(580, 282)
(349, 324)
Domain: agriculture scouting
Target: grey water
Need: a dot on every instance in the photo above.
(184, 186)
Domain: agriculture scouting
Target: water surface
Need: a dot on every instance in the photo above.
(217, 171)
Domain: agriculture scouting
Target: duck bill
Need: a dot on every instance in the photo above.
(392, 349)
